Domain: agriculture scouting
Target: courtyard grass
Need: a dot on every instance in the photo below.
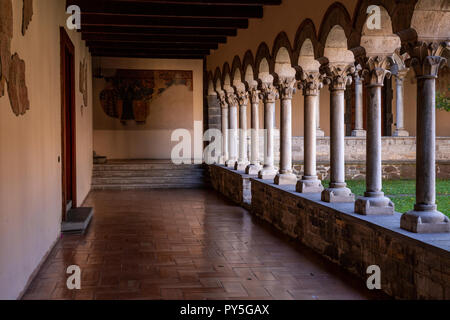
(402, 193)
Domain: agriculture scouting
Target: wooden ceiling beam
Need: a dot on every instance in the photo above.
(150, 30)
(88, 19)
(152, 9)
(149, 45)
(153, 38)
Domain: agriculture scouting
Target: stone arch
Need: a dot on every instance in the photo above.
(211, 87)
(360, 17)
(336, 15)
(218, 79)
(306, 30)
(226, 75)
(236, 69)
(431, 19)
(282, 49)
(306, 56)
(263, 59)
(283, 63)
(379, 41)
(335, 46)
(248, 68)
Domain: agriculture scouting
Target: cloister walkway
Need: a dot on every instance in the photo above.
(186, 244)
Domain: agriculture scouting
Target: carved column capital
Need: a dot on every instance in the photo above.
(243, 97)
(286, 88)
(357, 75)
(222, 99)
(338, 76)
(311, 83)
(376, 70)
(269, 92)
(425, 58)
(232, 99)
(254, 95)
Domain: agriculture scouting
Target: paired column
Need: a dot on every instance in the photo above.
(269, 94)
(425, 218)
(224, 111)
(233, 128)
(337, 76)
(400, 126)
(255, 165)
(374, 202)
(242, 162)
(359, 124)
(311, 84)
(286, 89)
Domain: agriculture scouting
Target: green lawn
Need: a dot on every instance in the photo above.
(402, 193)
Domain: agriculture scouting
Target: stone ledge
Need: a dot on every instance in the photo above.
(233, 184)
(413, 266)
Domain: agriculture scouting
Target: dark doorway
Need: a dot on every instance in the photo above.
(68, 124)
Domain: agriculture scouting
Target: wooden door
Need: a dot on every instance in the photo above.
(68, 123)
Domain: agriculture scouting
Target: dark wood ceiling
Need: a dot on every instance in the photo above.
(186, 29)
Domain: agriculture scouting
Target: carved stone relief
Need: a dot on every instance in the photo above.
(6, 33)
(83, 87)
(17, 89)
(12, 69)
(27, 14)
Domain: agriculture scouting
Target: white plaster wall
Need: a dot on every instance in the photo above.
(30, 175)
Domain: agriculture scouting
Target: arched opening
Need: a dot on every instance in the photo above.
(378, 39)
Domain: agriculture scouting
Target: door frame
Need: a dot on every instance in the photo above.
(67, 46)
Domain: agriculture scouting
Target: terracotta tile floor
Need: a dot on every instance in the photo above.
(186, 244)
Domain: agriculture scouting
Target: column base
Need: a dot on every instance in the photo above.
(231, 164)
(267, 173)
(285, 179)
(380, 205)
(421, 220)
(359, 133)
(332, 195)
(253, 169)
(309, 185)
(320, 133)
(222, 160)
(241, 165)
(400, 133)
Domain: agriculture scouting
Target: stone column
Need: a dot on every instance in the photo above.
(319, 131)
(233, 128)
(337, 76)
(311, 85)
(374, 202)
(286, 89)
(425, 218)
(255, 165)
(270, 95)
(400, 126)
(224, 108)
(242, 162)
(359, 124)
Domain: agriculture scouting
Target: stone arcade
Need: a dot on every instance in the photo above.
(344, 52)
(307, 96)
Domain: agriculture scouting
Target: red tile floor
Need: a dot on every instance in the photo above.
(186, 244)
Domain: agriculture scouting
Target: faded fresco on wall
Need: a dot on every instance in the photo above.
(128, 93)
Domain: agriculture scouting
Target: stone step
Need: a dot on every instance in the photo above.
(148, 173)
(148, 186)
(147, 180)
(114, 166)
